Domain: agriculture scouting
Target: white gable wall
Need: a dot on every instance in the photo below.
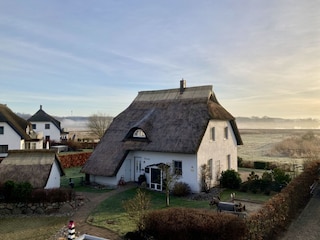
(218, 149)
(10, 137)
(53, 132)
(54, 177)
(136, 161)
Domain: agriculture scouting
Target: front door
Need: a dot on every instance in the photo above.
(137, 168)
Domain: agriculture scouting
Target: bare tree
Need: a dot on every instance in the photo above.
(98, 124)
(169, 179)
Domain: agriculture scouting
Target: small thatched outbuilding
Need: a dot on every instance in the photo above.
(41, 168)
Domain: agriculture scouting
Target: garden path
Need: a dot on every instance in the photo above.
(93, 200)
(306, 226)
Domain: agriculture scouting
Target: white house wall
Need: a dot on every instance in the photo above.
(54, 177)
(10, 137)
(53, 132)
(106, 181)
(218, 149)
(189, 173)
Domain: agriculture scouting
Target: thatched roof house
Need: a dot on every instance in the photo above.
(41, 168)
(170, 121)
(18, 124)
(16, 133)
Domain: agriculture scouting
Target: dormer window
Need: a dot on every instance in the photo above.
(136, 134)
(139, 133)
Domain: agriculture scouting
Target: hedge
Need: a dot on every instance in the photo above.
(277, 213)
(74, 160)
(199, 224)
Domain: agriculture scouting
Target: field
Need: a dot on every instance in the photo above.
(257, 145)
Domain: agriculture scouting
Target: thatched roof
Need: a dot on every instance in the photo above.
(33, 166)
(18, 124)
(173, 121)
(42, 116)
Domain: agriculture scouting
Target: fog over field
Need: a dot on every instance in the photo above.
(80, 123)
(277, 123)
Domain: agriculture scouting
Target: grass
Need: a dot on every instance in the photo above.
(73, 173)
(111, 214)
(34, 227)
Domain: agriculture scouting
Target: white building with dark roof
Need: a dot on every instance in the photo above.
(51, 127)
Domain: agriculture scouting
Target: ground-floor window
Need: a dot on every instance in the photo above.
(3, 148)
(177, 167)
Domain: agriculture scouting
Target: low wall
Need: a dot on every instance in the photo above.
(74, 160)
(56, 208)
(65, 208)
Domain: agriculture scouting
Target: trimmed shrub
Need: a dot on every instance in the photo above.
(8, 190)
(181, 189)
(260, 165)
(199, 224)
(230, 179)
(280, 176)
(17, 192)
(22, 191)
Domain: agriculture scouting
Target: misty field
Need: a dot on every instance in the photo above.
(258, 145)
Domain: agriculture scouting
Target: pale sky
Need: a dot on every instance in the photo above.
(80, 57)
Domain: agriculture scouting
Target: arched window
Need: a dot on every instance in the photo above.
(139, 133)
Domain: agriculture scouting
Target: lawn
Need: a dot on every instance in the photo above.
(111, 214)
(34, 227)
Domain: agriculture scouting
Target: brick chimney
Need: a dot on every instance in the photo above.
(183, 85)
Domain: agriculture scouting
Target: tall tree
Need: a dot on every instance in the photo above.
(98, 124)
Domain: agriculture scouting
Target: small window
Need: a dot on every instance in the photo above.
(229, 161)
(47, 126)
(226, 132)
(1, 130)
(210, 168)
(3, 148)
(34, 126)
(213, 134)
(139, 134)
(177, 167)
